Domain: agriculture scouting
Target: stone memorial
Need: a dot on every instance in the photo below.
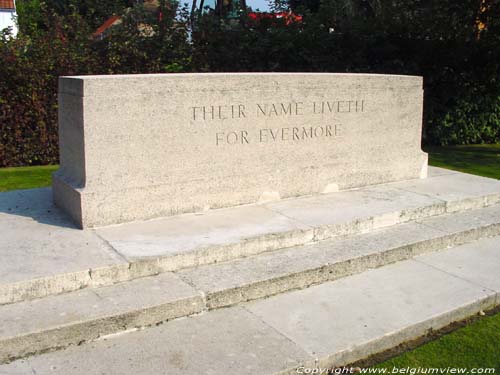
(141, 146)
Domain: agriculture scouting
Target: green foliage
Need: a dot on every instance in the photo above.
(94, 12)
(144, 44)
(29, 16)
(57, 42)
(29, 67)
(471, 119)
(439, 40)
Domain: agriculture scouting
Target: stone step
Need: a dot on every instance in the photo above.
(44, 254)
(332, 324)
(232, 282)
(54, 322)
(58, 321)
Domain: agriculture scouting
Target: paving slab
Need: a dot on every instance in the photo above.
(477, 262)
(38, 242)
(349, 319)
(58, 321)
(270, 226)
(459, 190)
(382, 202)
(221, 342)
(334, 323)
(298, 267)
(173, 235)
(38, 239)
(436, 171)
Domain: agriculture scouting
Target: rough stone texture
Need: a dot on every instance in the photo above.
(335, 323)
(58, 321)
(460, 191)
(358, 210)
(351, 318)
(43, 253)
(227, 341)
(141, 146)
(247, 230)
(298, 267)
(481, 223)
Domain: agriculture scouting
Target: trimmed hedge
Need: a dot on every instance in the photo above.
(442, 42)
(29, 69)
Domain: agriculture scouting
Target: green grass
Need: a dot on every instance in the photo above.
(483, 160)
(476, 345)
(26, 177)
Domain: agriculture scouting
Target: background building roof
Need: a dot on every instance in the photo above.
(7, 4)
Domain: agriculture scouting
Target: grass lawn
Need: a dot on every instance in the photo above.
(26, 177)
(483, 160)
(476, 345)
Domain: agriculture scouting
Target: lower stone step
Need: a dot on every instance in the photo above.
(55, 322)
(332, 324)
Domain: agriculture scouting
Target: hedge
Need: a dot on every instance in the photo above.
(455, 48)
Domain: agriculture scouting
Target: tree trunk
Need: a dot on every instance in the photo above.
(200, 10)
(193, 10)
(243, 17)
(218, 8)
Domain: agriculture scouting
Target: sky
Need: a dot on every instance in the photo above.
(261, 4)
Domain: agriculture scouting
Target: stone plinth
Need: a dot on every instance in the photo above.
(141, 146)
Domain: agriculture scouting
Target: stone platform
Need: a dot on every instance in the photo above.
(293, 275)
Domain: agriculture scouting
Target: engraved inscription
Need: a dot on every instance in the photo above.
(298, 133)
(208, 113)
(218, 112)
(280, 109)
(269, 135)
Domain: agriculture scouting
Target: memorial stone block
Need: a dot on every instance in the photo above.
(140, 146)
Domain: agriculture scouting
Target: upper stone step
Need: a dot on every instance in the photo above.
(57, 321)
(43, 253)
